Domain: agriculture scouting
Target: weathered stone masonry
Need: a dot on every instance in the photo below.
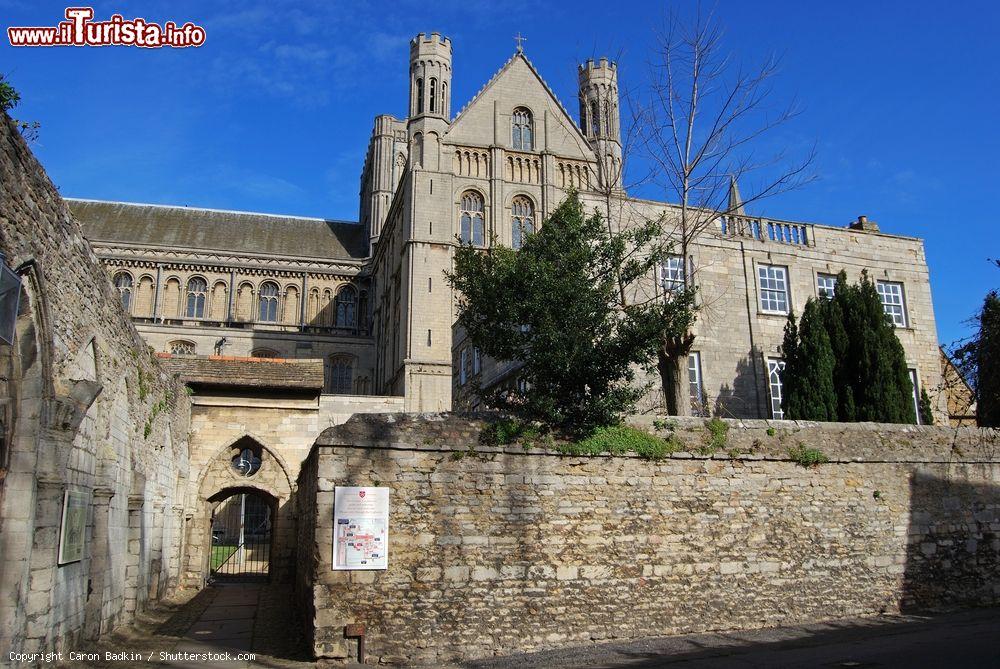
(500, 550)
(83, 406)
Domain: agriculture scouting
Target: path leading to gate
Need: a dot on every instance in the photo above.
(219, 627)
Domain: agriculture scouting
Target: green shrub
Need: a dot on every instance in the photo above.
(719, 430)
(508, 431)
(771, 432)
(807, 457)
(621, 439)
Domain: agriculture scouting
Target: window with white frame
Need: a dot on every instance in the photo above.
(893, 305)
(477, 361)
(775, 368)
(826, 285)
(672, 274)
(463, 365)
(773, 288)
(695, 390)
(916, 394)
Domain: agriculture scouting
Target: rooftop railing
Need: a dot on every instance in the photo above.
(763, 230)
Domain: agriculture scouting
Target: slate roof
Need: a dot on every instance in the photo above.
(217, 230)
(215, 370)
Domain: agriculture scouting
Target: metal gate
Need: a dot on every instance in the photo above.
(241, 536)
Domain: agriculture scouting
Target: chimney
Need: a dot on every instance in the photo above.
(864, 224)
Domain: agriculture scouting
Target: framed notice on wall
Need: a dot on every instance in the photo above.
(73, 531)
(361, 528)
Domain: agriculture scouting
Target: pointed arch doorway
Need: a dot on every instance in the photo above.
(242, 522)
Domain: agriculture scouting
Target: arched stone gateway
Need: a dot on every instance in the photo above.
(242, 525)
(242, 518)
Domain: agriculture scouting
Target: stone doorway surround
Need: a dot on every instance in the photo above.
(219, 481)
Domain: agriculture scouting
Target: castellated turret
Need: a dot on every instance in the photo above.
(430, 98)
(430, 76)
(599, 116)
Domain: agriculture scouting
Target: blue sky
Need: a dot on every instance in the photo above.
(273, 113)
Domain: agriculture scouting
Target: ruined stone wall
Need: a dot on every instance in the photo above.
(84, 407)
(503, 550)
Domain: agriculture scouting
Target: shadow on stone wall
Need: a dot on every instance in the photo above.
(953, 547)
(743, 398)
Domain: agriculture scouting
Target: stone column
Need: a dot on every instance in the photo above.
(95, 623)
(132, 575)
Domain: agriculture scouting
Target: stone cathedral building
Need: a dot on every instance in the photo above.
(369, 298)
(264, 330)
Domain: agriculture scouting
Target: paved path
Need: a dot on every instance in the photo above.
(967, 639)
(212, 629)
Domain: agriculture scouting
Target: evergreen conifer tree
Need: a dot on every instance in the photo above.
(847, 363)
(926, 412)
(988, 363)
(789, 352)
(813, 396)
(844, 373)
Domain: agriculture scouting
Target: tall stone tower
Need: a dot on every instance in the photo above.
(599, 117)
(430, 97)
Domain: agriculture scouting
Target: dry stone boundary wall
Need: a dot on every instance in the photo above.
(500, 550)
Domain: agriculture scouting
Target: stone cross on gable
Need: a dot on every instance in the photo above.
(519, 39)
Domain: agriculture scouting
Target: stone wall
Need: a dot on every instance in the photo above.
(84, 407)
(499, 550)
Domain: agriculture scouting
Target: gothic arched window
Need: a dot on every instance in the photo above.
(340, 374)
(520, 128)
(420, 96)
(595, 118)
(473, 219)
(433, 91)
(123, 282)
(522, 219)
(444, 98)
(267, 301)
(583, 117)
(197, 289)
(607, 117)
(346, 307)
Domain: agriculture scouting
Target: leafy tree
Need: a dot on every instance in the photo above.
(979, 361)
(808, 375)
(703, 122)
(555, 306)
(10, 98)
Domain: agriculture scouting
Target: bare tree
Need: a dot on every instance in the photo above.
(700, 125)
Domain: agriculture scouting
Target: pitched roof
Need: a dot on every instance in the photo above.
(496, 76)
(213, 229)
(214, 370)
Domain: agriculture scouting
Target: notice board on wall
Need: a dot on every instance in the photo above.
(361, 528)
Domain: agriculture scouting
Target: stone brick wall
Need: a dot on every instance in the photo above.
(84, 407)
(504, 550)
